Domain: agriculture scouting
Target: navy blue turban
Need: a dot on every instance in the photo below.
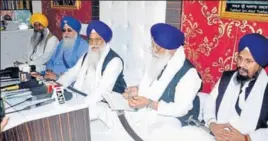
(167, 36)
(72, 22)
(101, 28)
(257, 45)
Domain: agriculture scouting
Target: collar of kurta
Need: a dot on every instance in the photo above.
(253, 104)
(155, 88)
(106, 50)
(179, 56)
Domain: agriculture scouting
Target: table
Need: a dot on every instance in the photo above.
(52, 122)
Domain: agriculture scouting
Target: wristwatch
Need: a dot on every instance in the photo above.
(150, 104)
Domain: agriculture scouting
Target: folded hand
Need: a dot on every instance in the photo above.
(50, 75)
(138, 102)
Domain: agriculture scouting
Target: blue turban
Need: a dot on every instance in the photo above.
(72, 22)
(101, 28)
(167, 36)
(257, 45)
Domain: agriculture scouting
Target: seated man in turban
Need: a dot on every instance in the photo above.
(69, 50)
(165, 94)
(237, 108)
(99, 71)
(42, 44)
(238, 102)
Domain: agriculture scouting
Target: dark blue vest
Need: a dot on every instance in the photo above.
(225, 79)
(169, 93)
(120, 84)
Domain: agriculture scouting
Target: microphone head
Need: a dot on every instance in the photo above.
(68, 95)
(58, 94)
(33, 68)
(29, 84)
(12, 72)
(41, 89)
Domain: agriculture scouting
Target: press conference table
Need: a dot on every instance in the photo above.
(51, 122)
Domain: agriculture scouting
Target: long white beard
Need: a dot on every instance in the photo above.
(68, 42)
(94, 57)
(157, 64)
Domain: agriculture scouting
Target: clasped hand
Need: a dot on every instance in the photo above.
(226, 132)
(50, 75)
(135, 101)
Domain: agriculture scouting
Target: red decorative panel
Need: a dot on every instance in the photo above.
(211, 42)
(83, 14)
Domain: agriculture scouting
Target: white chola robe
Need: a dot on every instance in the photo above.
(156, 125)
(43, 52)
(92, 82)
(251, 108)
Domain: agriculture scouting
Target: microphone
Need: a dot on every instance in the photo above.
(34, 106)
(72, 89)
(37, 88)
(12, 72)
(22, 85)
(43, 91)
(58, 94)
(11, 88)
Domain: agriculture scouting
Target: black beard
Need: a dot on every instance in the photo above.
(41, 37)
(40, 30)
(241, 78)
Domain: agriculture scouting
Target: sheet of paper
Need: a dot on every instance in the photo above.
(117, 101)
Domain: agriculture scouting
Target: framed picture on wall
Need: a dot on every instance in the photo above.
(255, 10)
(66, 4)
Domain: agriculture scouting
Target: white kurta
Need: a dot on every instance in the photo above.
(92, 82)
(246, 122)
(41, 56)
(155, 125)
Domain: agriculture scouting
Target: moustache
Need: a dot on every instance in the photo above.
(243, 69)
(67, 37)
(38, 31)
(95, 47)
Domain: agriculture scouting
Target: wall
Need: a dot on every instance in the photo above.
(131, 22)
(55, 15)
(37, 6)
(173, 13)
(211, 42)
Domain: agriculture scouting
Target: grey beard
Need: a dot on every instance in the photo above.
(94, 57)
(68, 42)
(157, 64)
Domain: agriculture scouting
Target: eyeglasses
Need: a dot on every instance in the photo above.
(67, 30)
(247, 61)
(155, 47)
(96, 41)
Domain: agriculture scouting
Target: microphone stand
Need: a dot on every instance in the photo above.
(41, 103)
(34, 106)
(70, 87)
(30, 99)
